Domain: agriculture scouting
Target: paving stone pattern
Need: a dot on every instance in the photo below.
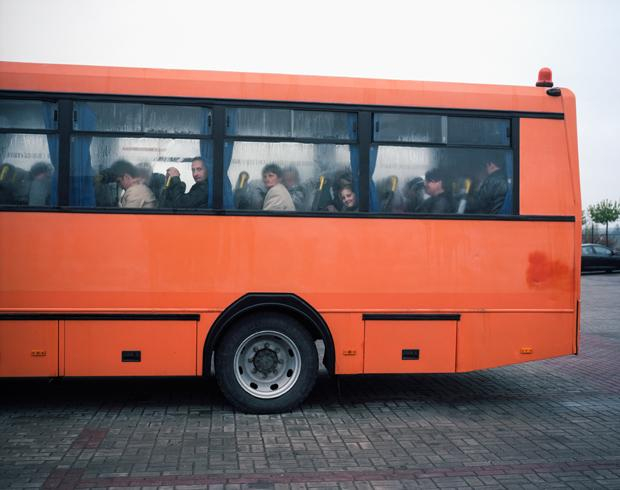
(549, 424)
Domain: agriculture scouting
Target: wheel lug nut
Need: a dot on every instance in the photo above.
(277, 350)
(250, 359)
(255, 349)
(266, 345)
(253, 371)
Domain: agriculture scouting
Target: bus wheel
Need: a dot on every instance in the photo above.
(266, 363)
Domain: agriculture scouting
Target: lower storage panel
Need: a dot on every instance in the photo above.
(130, 348)
(409, 346)
(28, 348)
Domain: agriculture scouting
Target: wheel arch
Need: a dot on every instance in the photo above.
(286, 303)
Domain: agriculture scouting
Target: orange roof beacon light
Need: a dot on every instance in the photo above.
(545, 78)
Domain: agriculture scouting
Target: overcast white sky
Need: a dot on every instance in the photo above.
(480, 41)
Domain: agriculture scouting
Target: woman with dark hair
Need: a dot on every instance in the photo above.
(277, 197)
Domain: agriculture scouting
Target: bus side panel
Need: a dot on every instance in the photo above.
(347, 330)
(28, 348)
(97, 348)
(488, 340)
(410, 346)
(545, 184)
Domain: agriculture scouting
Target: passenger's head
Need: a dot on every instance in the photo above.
(145, 172)
(434, 182)
(492, 166)
(199, 170)
(348, 197)
(125, 173)
(41, 170)
(272, 175)
(290, 177)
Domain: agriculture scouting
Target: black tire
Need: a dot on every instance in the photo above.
(247, 371)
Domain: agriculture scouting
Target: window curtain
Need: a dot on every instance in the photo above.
(82, 185)
(52, 142)
(374, 200)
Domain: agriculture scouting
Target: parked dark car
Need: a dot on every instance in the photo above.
(599, 258)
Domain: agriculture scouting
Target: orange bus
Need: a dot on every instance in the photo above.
(178, 223)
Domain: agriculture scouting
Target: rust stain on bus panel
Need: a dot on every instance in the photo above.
(545, 273)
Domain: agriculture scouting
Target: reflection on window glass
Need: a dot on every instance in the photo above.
(156, 172)
(478, 131)
(272, 176)
(418, 128)
(139, 118)
(28, 114)
(291, 123)
(441, 180)
(28, 169)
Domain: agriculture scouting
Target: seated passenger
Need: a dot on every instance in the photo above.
(290, 179)
(414, 194)
(489, 198)
(173, 194)
(348, 198)
(277, 197)
(40, 184)
(7, 184)
(136, 195)
(440, 200)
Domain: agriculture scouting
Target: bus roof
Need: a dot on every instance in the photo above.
(82, 79)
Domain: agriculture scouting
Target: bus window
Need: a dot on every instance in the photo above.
(93, 184)
(28, 162)
(162, 164)
(478, 131)
(141, 118)
(410, 128)
(288, 123)
(399, 180)
(311, 173)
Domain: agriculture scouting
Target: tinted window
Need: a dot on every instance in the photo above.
(140, 118)
(409, 128)
(312, 176)
(94, 182)
(290, 123)
(28, 170)
(28, 114)
(478, 131)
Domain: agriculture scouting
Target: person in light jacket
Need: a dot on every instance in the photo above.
(277, 198)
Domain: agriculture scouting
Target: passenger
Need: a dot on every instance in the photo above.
(277, 197)
(7, 184)
(155, 181)
(136, 195)
(348, 198)
(440, 200)
(40, 184)
(414, 194)
(173, 195)
(490, 197)
(290, 179)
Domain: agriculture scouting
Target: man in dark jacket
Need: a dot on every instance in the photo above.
(173, 195)
(490, 197)
(440, 200)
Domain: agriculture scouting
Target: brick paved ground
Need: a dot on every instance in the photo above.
(550, 424)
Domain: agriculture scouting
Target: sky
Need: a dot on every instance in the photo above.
(477, 41)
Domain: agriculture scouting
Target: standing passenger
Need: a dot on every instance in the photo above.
(491, 195)
(137, 194)
(277, 197)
